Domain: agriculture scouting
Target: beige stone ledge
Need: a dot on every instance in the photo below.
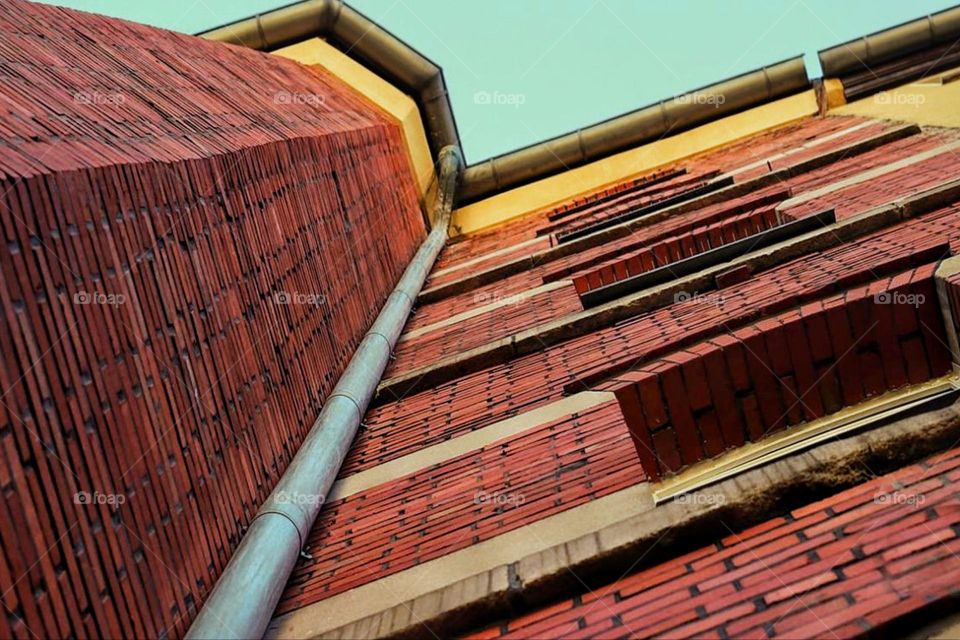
(931, 102)
(436, 454)
(316, 52)
(505, 301)
(623, 530)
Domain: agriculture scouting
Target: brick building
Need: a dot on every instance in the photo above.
(275, 361)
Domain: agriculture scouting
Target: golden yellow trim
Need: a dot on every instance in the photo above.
(798, 438)
(622, 166)
(316, 52)
(928, 102)
(833, 90)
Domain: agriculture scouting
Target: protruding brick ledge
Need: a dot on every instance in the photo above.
(542, 336)
(678, 227)
(661, 254)
(796, 367)
(649, 536)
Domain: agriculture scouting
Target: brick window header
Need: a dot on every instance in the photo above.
(785, 370)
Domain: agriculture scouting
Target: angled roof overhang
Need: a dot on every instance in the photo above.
(362, 39)
(894, 57)
(667, 117)
(379, 50)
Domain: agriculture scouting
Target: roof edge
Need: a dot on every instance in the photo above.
(858, 54)
(396, 61)
(620, 133)
(387, 55)
(361, 38)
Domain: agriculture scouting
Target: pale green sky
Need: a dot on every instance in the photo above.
(557, 65)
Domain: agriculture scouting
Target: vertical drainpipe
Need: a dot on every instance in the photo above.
(243, 600)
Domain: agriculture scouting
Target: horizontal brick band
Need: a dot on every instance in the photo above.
(785, 370)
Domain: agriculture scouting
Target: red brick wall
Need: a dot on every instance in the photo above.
(842, 567)
(677, 248)
(484, 397)
(466, 500)
(784, 370)
(952, 288)
(195, 236)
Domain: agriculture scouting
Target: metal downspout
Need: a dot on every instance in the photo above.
(244, 598)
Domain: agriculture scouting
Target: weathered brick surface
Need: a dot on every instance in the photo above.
(159, 196)
(848, 201)
(657, 195)
(789, 138)
(426, 515)
(510, 313)
(837, 568)
(201, 385)
(482, 398)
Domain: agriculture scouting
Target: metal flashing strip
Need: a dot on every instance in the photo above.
(633, 129)
(862, 416)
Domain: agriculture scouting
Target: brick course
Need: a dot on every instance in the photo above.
(783, 371)
(839, 567)
(158, 193)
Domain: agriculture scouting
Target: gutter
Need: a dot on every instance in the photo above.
(382, 52)
(362, 39)
(667, 117)
(245, 596)
(859, 55)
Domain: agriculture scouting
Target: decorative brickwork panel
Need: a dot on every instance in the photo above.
(195, 238)
(785, 370)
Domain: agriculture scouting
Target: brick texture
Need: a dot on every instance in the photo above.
(423, 516)
(855, 199)
(487, 396)
(784, 370)
(637, 198)
(789, 138)
(466, 500)
(838, 568)
(677, 247)
(195, 237)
